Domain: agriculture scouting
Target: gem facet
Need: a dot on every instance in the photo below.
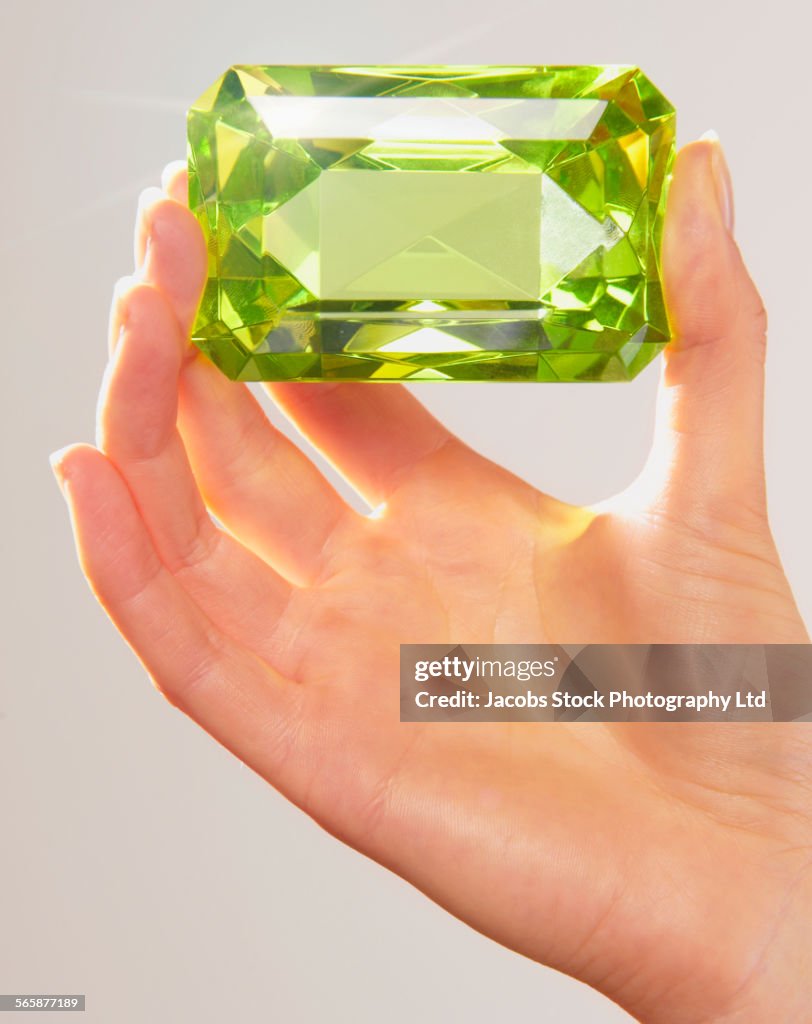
(431, 223)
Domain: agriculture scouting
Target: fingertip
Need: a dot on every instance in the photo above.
(118, 307)
(174, 224)
(175, 181)
(146, 199)
(711, 135)
(701, 193)
(169, 248)
(148, 339)
(56, 460)
(73, 462)
(712, 425)
(137, 403)
(103, 519)
(692, 201)
(137, 303)
(176, 257)
(702, 268)
(724, 186)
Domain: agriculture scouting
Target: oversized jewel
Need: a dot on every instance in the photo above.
(431, 223)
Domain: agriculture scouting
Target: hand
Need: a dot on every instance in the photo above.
(666, 865)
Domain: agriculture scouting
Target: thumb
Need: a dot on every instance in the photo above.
(710, 413)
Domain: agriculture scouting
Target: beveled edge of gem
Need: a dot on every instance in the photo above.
(605, 76)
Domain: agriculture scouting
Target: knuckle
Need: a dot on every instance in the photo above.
(206, 667)
(198, 549)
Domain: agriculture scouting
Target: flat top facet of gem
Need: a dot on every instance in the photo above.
(431, 223)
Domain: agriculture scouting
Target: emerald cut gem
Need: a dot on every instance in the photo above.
(431, 223)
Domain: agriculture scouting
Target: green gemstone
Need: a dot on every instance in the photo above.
(431, 223)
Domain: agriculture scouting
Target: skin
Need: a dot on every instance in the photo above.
(666, 865)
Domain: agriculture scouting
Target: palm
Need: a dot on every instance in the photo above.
(541, 569)
(281, 636)
(392, 790)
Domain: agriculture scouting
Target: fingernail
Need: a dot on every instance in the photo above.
(116, 326)
(123, 285)
(171, 171)
(722, 180)
(55, 459)
(148, 196)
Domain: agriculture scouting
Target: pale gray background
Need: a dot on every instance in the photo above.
(139, 863)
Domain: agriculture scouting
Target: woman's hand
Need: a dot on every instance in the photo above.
(666, 865)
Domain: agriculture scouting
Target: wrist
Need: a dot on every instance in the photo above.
(722, 935)
(758, 973)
